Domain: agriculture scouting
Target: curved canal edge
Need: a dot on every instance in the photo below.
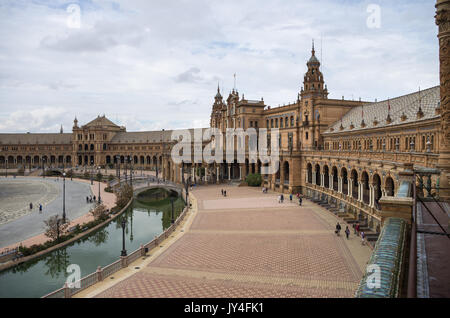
(11, 264)
(122, 264)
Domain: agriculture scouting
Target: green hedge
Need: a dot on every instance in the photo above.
(254, 180)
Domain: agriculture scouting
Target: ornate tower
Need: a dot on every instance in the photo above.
(443, 22)
(313, 83)
(217, 109)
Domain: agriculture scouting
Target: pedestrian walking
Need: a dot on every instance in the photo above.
(338, 229)
(290, 197)
(31, 206)
(225, 193)
(279, 199)
(222, 191)
(357, 228)
(363, 238)
(87, 199)
(94, 198)
(40, 208)
(282, 198)
(347, 232)
(300, 200)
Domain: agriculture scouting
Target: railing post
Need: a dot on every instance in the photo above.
(142, 250)
(124, 261)
(99, 274)
(66, 290)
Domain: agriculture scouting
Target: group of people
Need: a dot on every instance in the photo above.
(224, 192)
(40, 207)
(347, 232)
(291, 196)
(90, 199)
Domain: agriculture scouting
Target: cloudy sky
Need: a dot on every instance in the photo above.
(153, 64)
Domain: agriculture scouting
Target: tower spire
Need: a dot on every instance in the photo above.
(313, 50)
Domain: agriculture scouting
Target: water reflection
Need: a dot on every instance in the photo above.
(57, 263)
(99, 237)
(48, 273)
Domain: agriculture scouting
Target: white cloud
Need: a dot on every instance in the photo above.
(154, 65)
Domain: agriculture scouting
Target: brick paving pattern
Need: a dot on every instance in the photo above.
(233, 249)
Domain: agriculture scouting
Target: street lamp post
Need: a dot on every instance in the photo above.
(131, 172)
(99, 177)
(186, 185)
(43, 167)
(171, 202)
(92, 177)
(126, 164)
(6, 166)
(124, 251)
(157, 180)
(118, 167)
(64, 197)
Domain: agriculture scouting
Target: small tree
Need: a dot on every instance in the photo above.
(87, 175)
(111, 178)
(99, 177)
(124, 195)
(54, 227)
(100, 212)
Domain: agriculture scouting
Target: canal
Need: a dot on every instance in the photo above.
(146, 218)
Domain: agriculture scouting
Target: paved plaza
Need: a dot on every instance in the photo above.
(18, 222)
(246, 245)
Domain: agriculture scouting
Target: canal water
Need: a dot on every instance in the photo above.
(38, 277)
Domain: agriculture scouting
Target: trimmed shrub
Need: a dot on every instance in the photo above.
(254, 180)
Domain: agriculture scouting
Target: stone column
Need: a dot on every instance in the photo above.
(322, 180)
(217, 169)
(359, 191)
(371, 195)
(339, 184)
(331, 182)
(229, 172)
(350, 187)
(240, 172)
(443, 22)
(314, 178)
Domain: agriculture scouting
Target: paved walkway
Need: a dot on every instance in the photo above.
(245, 245)
(28, 229)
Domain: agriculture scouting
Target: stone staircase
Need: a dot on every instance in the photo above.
(370, 235)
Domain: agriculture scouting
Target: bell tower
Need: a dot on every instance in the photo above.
(313, 83)
(216, 110)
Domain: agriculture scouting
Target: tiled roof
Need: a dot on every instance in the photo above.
(145, 136)
(100, 121)
(407, 105)
(24, 139)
